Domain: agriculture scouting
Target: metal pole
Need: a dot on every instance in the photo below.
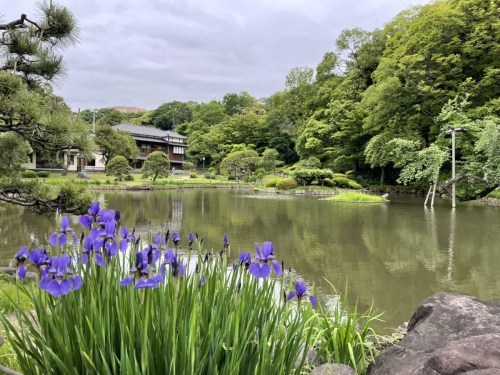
(433, 193)
(453, 203)
(428, 194)
(93, 121)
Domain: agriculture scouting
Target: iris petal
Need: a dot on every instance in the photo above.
(290, 296)
(77, 282)
(277, 268)
(259, 270)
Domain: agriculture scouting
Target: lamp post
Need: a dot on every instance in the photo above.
(203, 159)
(452, 130)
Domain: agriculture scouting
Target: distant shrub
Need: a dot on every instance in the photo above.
(193, 175)
(29, 174)
(286, 184)
(129, 177)
(260, 172)
(339, 175)
(231, 177)
(187, 165)
(272, 182)
(307, 176)
(354, 185)
(43, 174)
(209, 176)
(342, 182)
(108, 182)
(328, 182)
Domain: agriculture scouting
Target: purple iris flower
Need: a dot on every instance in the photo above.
(300, 292)
(22, 255)
(39, 258)
(260, 267)
(55, 281)
(171, 257)
(60, 240)
(226, 241)
(144, 260)
(245, 259)
(190, 240)
(176, 238)
(126, 237)
(93, 211)
(158, 242)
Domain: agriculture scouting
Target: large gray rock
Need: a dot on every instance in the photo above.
(448, 334)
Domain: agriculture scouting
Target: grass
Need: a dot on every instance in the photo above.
(101, 179)
(357, 197)
(494, 194)
(12, 300)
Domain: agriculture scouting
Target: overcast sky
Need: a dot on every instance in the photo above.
(144, 53)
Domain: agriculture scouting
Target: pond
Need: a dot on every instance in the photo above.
(392, 255)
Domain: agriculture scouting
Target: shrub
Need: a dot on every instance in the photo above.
(43, 174)
(354, 185)
(272, 182)
(29, 174)
(342, 182)
(328, 182)
(193, 175)
(157, 165)
(129, 177)
(209, 176)
(118, 167)
(231, 177)
(286, 184)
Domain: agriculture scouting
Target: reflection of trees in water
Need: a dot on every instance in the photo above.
(19, 227)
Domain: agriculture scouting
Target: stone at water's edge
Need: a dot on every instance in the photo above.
(448, 334)
(332, 369)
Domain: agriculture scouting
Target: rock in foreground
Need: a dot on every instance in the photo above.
(448, 334)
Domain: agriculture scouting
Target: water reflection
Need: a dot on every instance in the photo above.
(392, 255)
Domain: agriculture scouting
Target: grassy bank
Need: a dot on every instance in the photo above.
(357, 198)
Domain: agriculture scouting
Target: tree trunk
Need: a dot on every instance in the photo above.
(155, 177)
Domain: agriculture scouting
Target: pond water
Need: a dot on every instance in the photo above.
(392, 255)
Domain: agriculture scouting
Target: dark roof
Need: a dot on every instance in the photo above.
(147, 131)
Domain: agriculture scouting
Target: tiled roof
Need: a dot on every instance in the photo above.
(147, 131)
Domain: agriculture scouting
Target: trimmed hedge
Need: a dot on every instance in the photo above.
(29, 174)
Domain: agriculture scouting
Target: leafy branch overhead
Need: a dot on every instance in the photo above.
(32, 118)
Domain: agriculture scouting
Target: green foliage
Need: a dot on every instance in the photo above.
(344, 182)
(170, 115)
(15, 151)
(347, 335)
(29, 174)
(193, 175)
(235, 103)
(157, 165)
(286, 184)
(231, 177)
(308, 176)
(272, 182)
(269, 159)
(357, 197)
(111, 143)
(42, 174)
(118, 167)
(128, 177)
(187, 166)
(240, 162)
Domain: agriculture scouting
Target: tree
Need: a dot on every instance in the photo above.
(169, 115)
(156, 165)
(118, 167)
(234, 103)
(240, 162)
(111, 143)
(30, 114)
(269, 159)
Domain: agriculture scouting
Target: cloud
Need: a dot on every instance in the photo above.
(145, 53)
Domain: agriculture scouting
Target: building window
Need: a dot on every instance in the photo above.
(72, 159)
(178, 150)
